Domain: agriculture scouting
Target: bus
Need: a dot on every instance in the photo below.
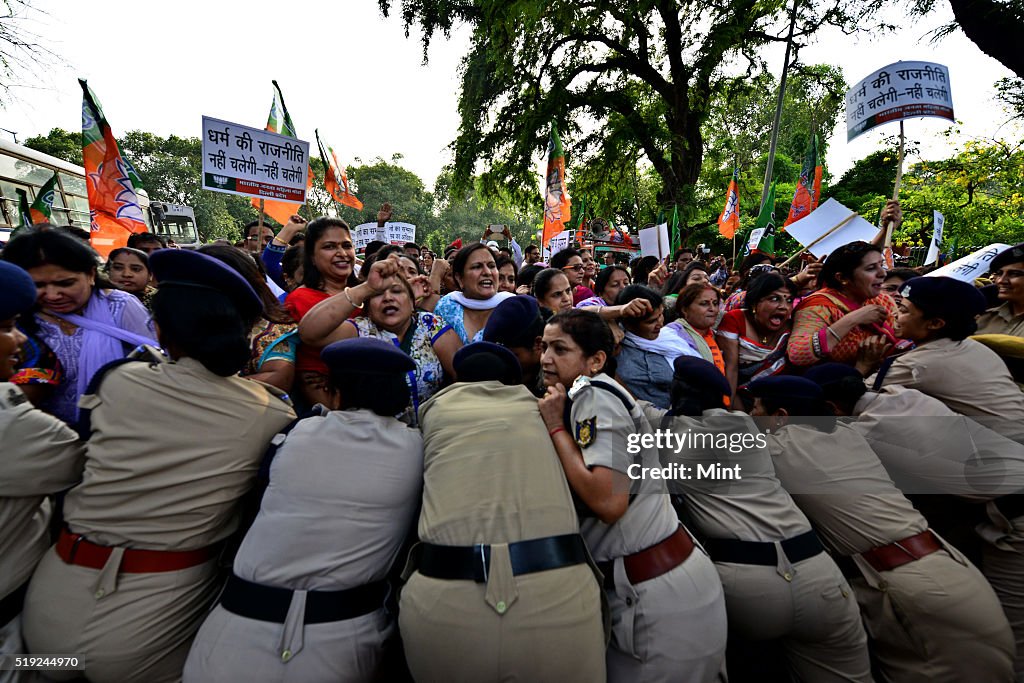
(25, 171)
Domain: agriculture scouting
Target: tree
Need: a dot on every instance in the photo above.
(22, 55)
(59, 143)
(614, 75)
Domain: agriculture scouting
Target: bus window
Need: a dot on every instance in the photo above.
(73, 185)
(9, 201)
(79, 211)
(181, 229)
(24, 171)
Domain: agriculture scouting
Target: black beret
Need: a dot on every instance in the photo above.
(192, 269)
(829, 373)
(698, 372)
(785, 387)
(944, 297)
(366, 356)
(511, 320)
(17, 291)
(484, 362)
(1014, 254)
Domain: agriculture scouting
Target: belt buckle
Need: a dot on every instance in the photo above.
(483, 552)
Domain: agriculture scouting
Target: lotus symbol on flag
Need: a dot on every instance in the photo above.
(220, 180)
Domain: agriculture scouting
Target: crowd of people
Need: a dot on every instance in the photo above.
(283, 460)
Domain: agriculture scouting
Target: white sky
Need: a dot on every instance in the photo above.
(351, 73)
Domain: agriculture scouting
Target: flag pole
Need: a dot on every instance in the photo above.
(896, 189)
(778, 109)
(259, 229)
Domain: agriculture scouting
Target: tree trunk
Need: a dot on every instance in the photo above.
(994, 28)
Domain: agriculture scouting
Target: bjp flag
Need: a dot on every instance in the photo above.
(729, 221)
(280, 122)
(808, 188)
(335, 177)
(557, 206)
(114, 208)
(42, 207)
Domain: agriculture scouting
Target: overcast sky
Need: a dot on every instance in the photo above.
(351, 73)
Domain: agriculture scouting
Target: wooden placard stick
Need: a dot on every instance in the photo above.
(896, 190)
(819, 239)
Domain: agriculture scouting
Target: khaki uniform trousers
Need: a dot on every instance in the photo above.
(935, 620)
(670, 628)
(230, 647)
(1003, 566)
(10, 644)
(126, 627)
(813, 613)
(538, 627)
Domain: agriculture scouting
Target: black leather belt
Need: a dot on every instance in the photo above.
(1011, 505)
(10, 605)
(266, 603)
(472, 563)
(758, 552)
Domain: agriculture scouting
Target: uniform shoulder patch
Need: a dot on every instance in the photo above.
(586, 431)
(13, 398)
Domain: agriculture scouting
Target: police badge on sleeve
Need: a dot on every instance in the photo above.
(586, 430)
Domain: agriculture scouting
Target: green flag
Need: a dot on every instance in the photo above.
(766, 224)
(41, 210)
(673, 229)
(24, 213)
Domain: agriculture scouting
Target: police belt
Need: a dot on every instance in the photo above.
(10, 605)
(267, 603)
(1011, 505)
(660, 558)
(472, 562)
(798, 548)
(76, 549)
(896, 554)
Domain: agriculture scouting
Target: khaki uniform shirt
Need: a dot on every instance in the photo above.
(928, 448)
(173, 448)
(843, 488)
(39, 455)
(967, 376)
(344, 488)
(1001, 320)
(602, 425)
(490, 471)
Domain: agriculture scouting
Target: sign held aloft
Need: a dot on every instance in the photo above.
(391, 232)
(829, 227)
(252, 162)
(972, 266)
(903, 90)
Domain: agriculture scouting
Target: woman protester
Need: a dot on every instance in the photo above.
(831, 323)
(648, 350)
(39, 456)
(468, 308)
(80, 316)
(318, 614)
(894, 279)
(502, 589)
(329, 259)
(134, 569)
(507, 274)
(1008, 275)
(128, 270)
(570, 262)
(274, 338)
(552, 290)
(388, 302)
(607, 285)
(695, 273)
(668, 616)
(753, 339)
(696, 312)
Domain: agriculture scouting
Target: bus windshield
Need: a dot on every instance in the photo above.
(181, 229)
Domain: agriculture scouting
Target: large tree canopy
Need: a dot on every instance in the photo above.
(618, 76)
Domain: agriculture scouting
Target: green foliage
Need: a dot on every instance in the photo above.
(59, 143)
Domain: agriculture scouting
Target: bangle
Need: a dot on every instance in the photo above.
(278, 241)
(559, 428)
(349, 298)
(834, 334)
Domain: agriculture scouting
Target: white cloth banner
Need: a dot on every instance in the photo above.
(972, 266)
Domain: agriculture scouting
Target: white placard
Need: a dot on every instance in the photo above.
(903, 90)
(827, 216)
(755, 238)
(391, 232)
(655, 242)
(252, 162)
(557, 244)
(933, 248)
(971, 266)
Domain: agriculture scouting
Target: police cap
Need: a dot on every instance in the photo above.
(366, 356)
(944, 297)
(484, 361)
(512, 322)
(17, 291)
(183, 268)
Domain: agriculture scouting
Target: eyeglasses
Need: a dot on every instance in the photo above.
(578, 266)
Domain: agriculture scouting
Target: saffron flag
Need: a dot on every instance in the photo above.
(762, 237)
(729, 221)
(42, 208)
(280, 122)
(335, 177)
(114, 208)
(808, 188)
(557, 207)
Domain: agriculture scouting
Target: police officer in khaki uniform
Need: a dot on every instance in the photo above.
(306, 600)
(39, 455)
(502, 589)
(172, 448)
(930, 613)
(668, 610)
(938, 314)
(927, 448)
(1008, 273)
(779, 582)
(517, 324)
